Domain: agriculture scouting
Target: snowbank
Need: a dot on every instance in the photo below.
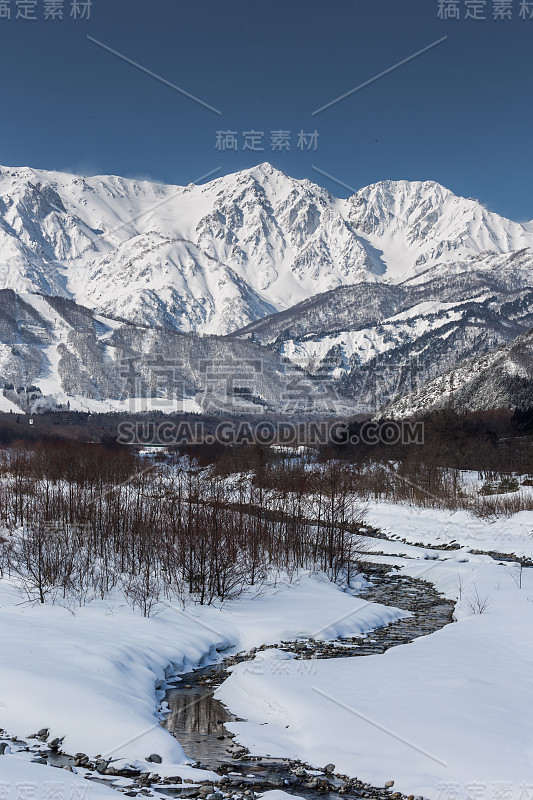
(450, 707)
(440, 527)
(19, 778)
(90, 675)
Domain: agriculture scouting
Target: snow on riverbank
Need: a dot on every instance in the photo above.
(90, 675)
(440, 527)
(20, 779)
(450, 709)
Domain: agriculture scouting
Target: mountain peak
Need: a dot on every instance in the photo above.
(266, 168)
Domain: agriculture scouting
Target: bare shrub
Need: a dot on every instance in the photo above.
(476, 603)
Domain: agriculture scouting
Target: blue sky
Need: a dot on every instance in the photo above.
(460, 113)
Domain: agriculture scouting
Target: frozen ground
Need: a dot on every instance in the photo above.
(447, 713)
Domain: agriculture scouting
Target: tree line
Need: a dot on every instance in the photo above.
(82, 521)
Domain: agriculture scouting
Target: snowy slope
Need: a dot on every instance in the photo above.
(216, 257)
(99, 687)
(417, 224)
(55, 352)
(382, 341)
(499, 379)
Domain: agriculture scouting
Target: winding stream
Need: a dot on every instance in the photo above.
(198, 720)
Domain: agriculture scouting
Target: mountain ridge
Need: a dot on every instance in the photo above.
(216, 257)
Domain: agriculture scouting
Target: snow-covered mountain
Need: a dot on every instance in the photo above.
(55, 353)
(499, 379)
(355, 302)
(419, 224)
(216, 257)
(366, 304)
(381, 341)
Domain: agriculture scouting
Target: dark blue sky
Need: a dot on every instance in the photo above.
(461, 113)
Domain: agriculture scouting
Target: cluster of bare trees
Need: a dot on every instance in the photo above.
(411, 481)
(81, 521)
